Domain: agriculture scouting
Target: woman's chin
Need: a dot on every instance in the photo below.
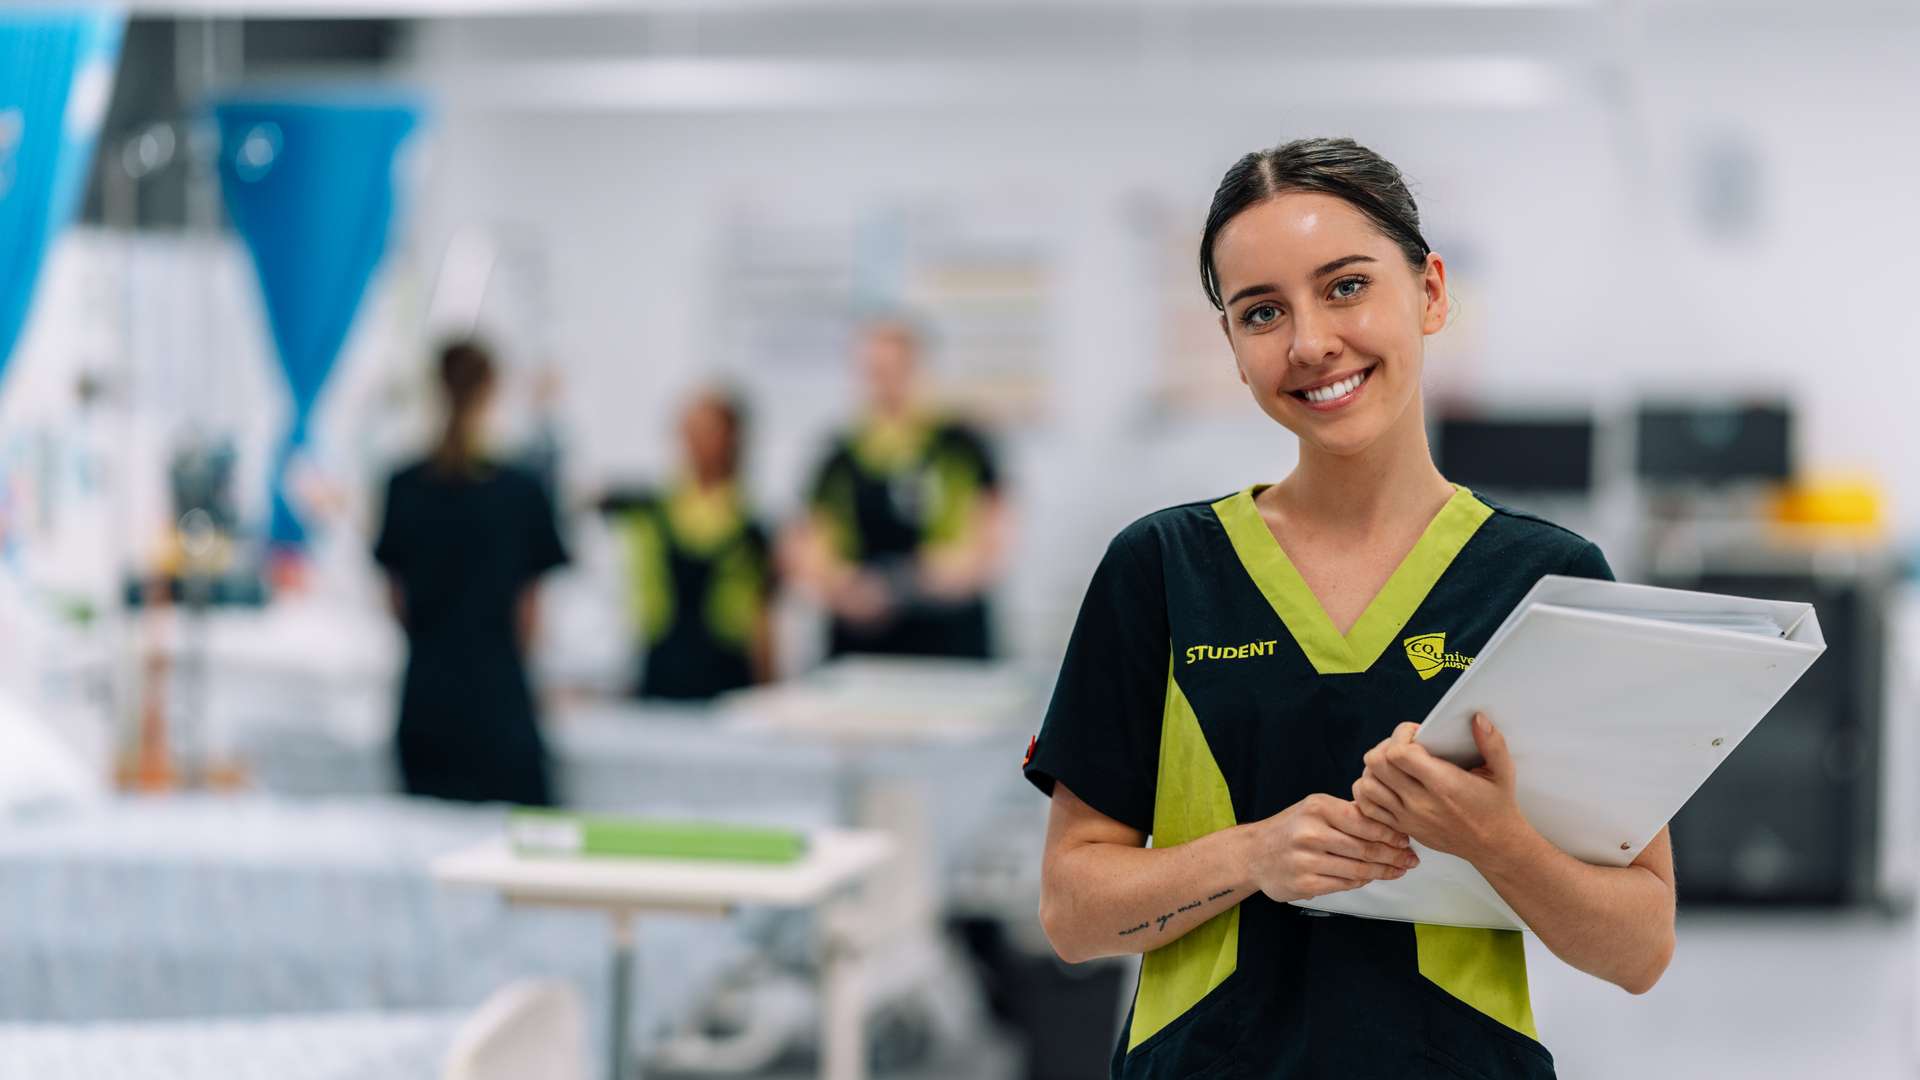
(1343, 441)
(1342, 448)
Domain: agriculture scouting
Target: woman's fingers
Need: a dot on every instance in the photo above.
(1402, 735)
(1391, 775)
(1378, 801)
(1347, 818)
(1370, 788)
(1360, 870)
(1376, 813)
(1319, 885)
(1368, 851)
(1419, 764)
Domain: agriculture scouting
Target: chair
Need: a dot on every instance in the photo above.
(530, 1030)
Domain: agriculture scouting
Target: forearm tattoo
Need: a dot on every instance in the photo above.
(1168, 917)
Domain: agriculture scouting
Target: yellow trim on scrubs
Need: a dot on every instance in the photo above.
(1191, 801)
(1331, 652)
(884, 445)
(1487, 969)
(704, 518)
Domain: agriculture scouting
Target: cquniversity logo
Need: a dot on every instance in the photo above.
(13, 130)
(1429, 656)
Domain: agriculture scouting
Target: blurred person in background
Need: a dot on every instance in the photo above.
(463, 541)
(905, 527)
(1247, 672)
(700, 564)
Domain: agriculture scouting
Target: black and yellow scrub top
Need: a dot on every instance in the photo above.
(701, 579)
(1204, 686)
(887, 493)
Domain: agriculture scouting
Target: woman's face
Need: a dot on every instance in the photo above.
(1326, 319)
(707, 440)
(479, 406)
(889, 366)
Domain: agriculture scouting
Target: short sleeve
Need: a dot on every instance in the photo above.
(544, 547)
(1101, 736)
(821, 492)
(978, 453)
(1589, 562)
(389, 548)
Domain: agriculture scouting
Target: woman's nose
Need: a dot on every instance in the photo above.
(1314, 340)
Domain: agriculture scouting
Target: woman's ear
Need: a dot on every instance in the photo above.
(1433, 280)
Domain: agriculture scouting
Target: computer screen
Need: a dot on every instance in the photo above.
(1713, 442)
(1532, 454)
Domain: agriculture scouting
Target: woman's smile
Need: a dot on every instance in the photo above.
(1334, 392)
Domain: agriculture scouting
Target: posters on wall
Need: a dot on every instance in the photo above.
(977, 275)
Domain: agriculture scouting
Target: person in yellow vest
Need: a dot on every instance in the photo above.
(905, 525)
(700, 565)
(1246, 674)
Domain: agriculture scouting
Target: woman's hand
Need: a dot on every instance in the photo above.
(1615, 922)
(861, 597)
(1466, 812)
(1322, 845)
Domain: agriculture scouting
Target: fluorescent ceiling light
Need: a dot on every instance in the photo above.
(721, 85)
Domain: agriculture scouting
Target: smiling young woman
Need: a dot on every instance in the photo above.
(1275, 773)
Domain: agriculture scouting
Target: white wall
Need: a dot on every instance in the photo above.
(1592, 276)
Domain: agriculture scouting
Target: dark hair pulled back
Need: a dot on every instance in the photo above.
(1341, 168)
(466, 374)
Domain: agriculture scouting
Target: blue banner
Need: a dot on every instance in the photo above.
(56, 74)
(309, 185)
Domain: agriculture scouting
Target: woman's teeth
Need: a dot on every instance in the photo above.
(1340, 389)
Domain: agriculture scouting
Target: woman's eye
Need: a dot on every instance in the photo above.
(1260, 315)
(1349, 287)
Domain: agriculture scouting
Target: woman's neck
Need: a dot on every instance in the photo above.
(460, 444)
(713, 483)
(1393, 479)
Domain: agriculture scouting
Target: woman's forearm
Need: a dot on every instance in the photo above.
(761, 654)
(1107, 899)
(971, 564)
(810, 561)
(1613, 922)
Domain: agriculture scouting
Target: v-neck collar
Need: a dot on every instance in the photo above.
(1331, 652)
(703, 520)
(885, 446)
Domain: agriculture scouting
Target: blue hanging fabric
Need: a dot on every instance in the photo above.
(309, 185)
(56, 74)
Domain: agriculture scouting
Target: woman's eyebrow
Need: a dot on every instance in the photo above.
(1251, 290)
(1336, 264)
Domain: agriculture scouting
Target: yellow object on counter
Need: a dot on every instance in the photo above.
(1852, 504)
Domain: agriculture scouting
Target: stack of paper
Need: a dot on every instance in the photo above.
(1617, 701)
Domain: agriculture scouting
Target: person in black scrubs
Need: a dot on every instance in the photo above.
(905, 525)
(701, 566)
(1247, 673)
(463, 541)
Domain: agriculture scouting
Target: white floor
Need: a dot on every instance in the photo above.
(1757, 996)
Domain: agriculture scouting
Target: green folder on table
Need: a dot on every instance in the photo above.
(552, 833)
